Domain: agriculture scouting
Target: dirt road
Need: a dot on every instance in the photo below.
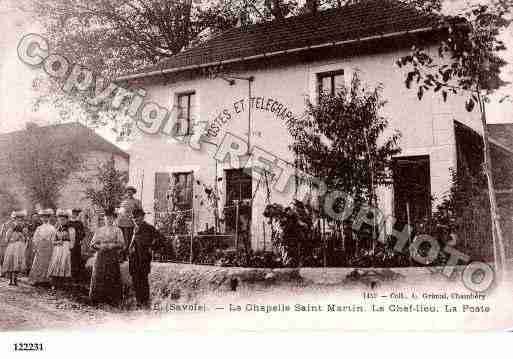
(28, 308)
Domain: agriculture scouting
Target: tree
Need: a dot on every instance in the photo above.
(115, 37)
(109, 186)
(469, 63)
(42, 165)
(464, 212)
(338, 141)
(9, 202)
(342, 142)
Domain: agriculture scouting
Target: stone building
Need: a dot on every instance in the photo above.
(266, 73)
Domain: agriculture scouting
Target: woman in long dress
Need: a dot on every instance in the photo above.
(3, 231)
(32, 225)
(14, 258)
(106, 284)
(59, 270)
(43, 247)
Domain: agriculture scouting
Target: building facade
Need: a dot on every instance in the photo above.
(267, 73)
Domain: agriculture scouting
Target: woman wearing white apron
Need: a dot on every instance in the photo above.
(43, 248)
(64, 239)
(14, 258)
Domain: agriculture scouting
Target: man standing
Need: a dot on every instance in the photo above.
(145, 239)
(125, 222)
(76, 250)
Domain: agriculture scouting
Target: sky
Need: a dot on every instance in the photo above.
(17, 96)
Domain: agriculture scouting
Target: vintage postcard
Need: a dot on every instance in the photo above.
(178, 165)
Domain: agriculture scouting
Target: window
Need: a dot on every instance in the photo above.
(186, 113)
(161, 203)
(173, 192)
(182, 191)
(329, 82)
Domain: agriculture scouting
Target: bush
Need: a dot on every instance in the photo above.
(296, 240)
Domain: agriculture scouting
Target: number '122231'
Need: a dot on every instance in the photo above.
(18, 347)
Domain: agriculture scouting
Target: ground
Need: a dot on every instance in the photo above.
(26, 308)
(29, 308)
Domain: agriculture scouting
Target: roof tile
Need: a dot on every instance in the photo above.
(359, 20)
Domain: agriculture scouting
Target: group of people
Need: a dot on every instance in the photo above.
(52, 253)
(44, 251)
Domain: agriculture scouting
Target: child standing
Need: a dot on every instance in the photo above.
(14, 259)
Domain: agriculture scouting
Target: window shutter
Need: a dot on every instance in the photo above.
(162, 180)
(190, 189)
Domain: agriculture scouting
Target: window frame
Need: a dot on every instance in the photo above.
(190, 201)
(191, 98)
(332, 74)
(237, 177)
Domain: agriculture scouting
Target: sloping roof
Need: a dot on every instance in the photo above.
(357, 21)
(83, 137)
(502, 133)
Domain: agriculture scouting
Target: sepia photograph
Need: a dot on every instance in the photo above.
(255, 165)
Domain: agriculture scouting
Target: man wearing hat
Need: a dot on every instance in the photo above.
(125, 217)
(76, 250)
(145, 239)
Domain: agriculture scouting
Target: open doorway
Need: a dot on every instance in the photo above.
(238, 209)
(412, 190)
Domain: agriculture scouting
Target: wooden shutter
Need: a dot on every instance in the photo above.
(162, 180)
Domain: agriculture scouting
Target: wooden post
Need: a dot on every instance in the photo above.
(249, 116)
(263, 228)
(409, 234)
(192, 236)
(324, 241)
(142, 187)
(236, 224)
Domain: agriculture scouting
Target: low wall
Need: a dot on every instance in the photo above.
(188, 281)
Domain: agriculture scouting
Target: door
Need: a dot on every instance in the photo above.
(238, 204)
(412, 190)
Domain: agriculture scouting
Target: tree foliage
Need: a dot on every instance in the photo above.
(468, 55)
(9, 202)
(108, 187)
(292, 232)
(342, 141)
(114, 37)
(42, 165)
(465, 212)
(469, 62)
